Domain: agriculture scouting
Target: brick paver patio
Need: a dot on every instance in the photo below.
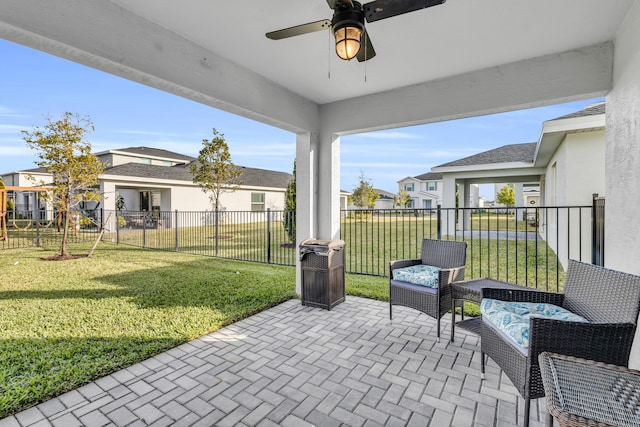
(299, 366)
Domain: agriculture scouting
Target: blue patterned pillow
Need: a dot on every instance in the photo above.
(512, 318)
(424, 275)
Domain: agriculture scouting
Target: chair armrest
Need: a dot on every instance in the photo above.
(403, 263)
(450, 275)
(523, 295)
(602, 342)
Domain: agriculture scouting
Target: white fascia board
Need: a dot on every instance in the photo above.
(481, 168)
(483, 176)
(134, 180)
(142, 156)
(554, 131)
(166, 183)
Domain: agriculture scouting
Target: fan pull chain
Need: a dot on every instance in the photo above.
(329, 56)
(365, 59)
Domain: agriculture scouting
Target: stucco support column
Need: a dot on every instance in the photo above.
(464, 201)
(518, 190)
(108, 192)
(328, 187)
(317, 190)
(449, 204)
(306, 178)
(622, 175)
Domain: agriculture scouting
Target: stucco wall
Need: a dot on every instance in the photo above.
(622, 244)
(573, 174)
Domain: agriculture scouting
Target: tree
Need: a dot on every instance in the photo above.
(506, 196)
(401, 199)
(289, 219)
(65, 154)
(364, 195)
(214, 171)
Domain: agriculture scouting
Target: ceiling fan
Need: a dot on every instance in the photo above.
(347, 24)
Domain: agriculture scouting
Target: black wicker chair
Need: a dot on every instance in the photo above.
(608, 299)
(451, 257)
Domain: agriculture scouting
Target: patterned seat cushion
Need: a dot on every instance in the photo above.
(512, 318)
(424, 275)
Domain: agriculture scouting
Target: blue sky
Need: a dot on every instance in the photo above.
(34, 85)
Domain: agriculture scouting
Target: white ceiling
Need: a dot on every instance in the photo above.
(454, 38)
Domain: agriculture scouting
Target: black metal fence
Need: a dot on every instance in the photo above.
(23, 229)
(521, 245)
(528, 246)
(259, 236)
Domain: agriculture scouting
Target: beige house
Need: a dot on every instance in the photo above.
(151, 179)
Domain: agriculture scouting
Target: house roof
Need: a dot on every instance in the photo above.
(152, 152)
(505, 154)
(429, 176)
(384, 195)
(591, 110)
(250, 176)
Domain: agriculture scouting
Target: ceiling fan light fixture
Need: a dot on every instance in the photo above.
(347, 26)
(348, 42)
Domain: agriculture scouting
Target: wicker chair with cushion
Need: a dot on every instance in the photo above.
(594, 319)
(425, 284)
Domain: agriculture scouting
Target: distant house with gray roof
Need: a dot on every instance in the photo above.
(425, 190)
(152, 179)
(566, 166)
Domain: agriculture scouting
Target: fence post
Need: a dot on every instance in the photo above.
(118, 228)
(37, 233)
(176, 227)
(144, 230)
(216, 218)
(268, 235)
(439, 222)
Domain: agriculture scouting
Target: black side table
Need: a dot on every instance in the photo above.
(472, 291)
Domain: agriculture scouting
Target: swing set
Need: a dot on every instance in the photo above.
(3, 206)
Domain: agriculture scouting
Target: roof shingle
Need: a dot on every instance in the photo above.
(505, 154)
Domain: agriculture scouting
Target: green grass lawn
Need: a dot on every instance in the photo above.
(63, 324)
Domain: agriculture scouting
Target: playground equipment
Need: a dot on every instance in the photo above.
(3, 205)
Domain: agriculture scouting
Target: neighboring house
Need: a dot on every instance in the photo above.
(150, 179)
(385, 200)
(27, 202)
(567, 162)
(426, 191)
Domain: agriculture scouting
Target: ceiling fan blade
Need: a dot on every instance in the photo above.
(311, 27)
(366, 50)
(382, 9)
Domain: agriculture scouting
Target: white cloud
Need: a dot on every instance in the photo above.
(8, 112)
(13, 129)
(15, 151)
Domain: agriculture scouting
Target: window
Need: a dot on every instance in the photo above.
(411, 203)
(257, 202)
(432, 186)
(167, 163)
(408, 186)
(426, 204)
(145, 161)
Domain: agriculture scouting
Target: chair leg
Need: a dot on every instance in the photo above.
(390, 311)
(438, 332)
(481, 366)
(527, 410)
(549, 422)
